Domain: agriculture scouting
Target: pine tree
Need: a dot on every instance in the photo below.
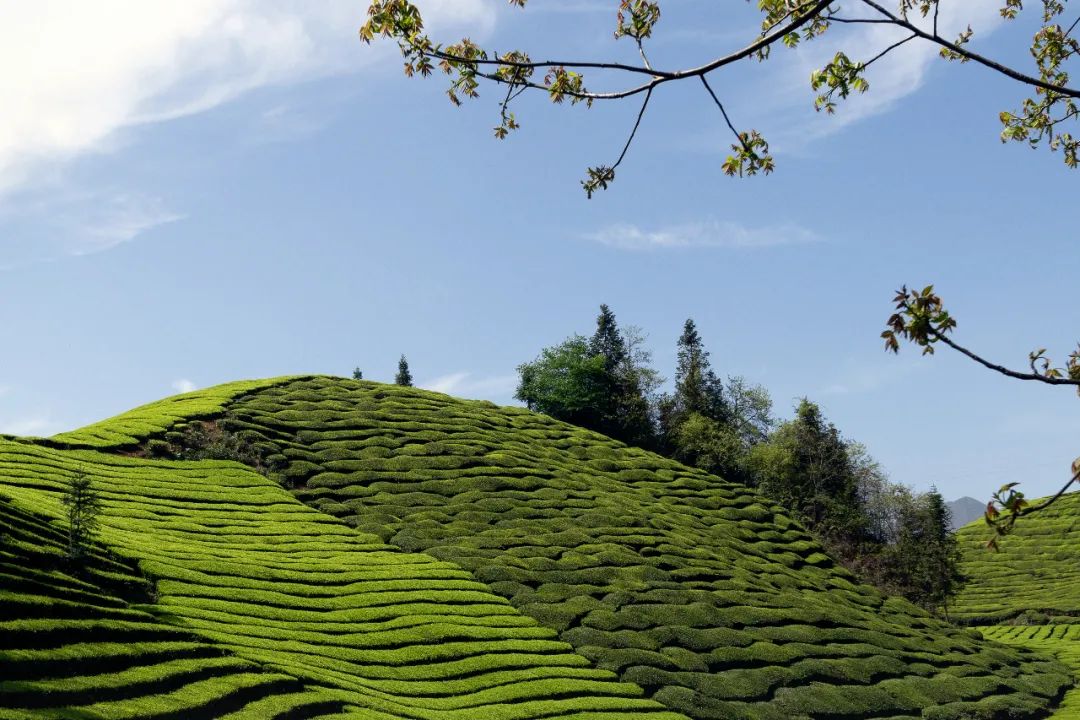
(83, 507)
(608, 342)
(403, 377)
(357, 374)
(806, 466)
(697, 388)
(941, 576)
(623, 410)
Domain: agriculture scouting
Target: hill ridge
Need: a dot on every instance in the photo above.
(605, 562)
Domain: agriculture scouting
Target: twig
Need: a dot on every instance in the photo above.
(1000, 368)
(724, 113)
(633, 132)
(960, 50)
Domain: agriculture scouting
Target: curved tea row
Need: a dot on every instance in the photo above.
(73, 645)
(696, 589)
(297, 601)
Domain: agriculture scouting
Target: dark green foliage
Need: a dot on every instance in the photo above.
(602, 383)
(565, 382)
(82, 506)
(403, 377)
(925, 559)
(357, 374)
(707, 425)
(806, 467)
(697, 388)
(701, 591)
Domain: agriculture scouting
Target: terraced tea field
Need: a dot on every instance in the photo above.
(452, 560)
(1037, 568)
(1061, 641)
(74, 646)
(306, 613)
(693, 588)
(1037, 574)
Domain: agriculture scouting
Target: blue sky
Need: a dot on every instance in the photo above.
(229, 189)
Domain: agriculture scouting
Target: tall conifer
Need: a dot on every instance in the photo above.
(403, 377)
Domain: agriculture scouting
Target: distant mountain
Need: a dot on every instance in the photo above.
(965, 510)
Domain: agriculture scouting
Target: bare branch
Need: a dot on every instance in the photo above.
(658, 76)
(723, 112)
(633, 131)
(1050, 501)
(1000, 368)
(975, 57)
(888, 50)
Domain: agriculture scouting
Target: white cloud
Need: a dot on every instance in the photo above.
(35, 425)
(43, 226)
(74, 74)
(123, 217)
(463, 384)
(712, 233)
(183, 385)
(894, 77)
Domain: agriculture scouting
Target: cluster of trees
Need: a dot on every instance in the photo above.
(403, 376)
(895, 538)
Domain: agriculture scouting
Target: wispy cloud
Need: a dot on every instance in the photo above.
(34, 425)
(898, 75)
(869, 377)
(183, 385)
(123, 218)
(41, 227)
(75, 74)
(707, 234)
(464, 384)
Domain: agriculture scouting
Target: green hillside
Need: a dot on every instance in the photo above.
(1034, 578)
(75, 647)
(448, 559)
(1036, 570)
(246, 568)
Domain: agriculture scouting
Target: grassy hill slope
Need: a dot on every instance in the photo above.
(710, 598)
(241, 565)
(73, 646)
(1035, 575)
(1037, 568)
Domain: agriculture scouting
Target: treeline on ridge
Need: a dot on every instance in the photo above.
(888, 534)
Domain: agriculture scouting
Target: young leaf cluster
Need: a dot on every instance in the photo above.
(789, 23)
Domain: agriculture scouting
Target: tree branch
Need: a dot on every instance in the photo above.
(633, 131)
(658, 76)
(724, 113)
(975, 57)
(1050, 501)
(888, 50)
(1000, 368)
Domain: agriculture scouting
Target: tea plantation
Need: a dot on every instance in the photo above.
(1036, 570)
(295, 610)
(1032, 580)
(447, 559)
(1062, 641)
